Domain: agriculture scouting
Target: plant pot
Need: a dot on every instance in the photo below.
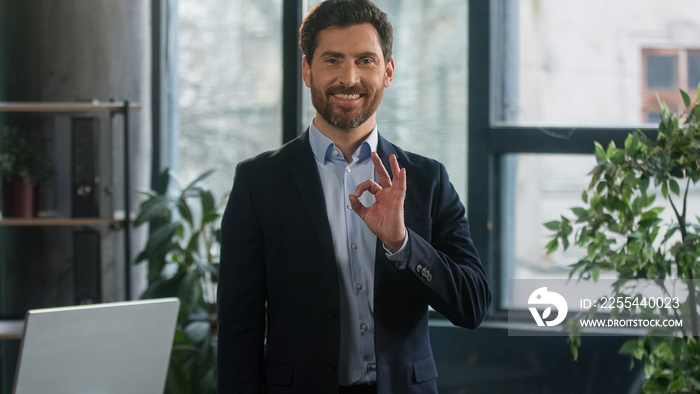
(19, 198)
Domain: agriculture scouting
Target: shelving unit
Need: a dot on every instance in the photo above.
(122, 108)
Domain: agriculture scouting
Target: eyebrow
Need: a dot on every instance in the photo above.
(342, 55)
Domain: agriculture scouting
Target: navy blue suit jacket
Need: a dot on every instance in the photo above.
(279, 329)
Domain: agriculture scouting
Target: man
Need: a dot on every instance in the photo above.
(329, 261)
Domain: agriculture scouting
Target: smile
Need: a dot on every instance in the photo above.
(347, 96)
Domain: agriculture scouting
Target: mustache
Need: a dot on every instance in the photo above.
(346, 90)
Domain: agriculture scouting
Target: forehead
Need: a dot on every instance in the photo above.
(348, 40)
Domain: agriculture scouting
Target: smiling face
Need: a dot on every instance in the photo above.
(347, 77)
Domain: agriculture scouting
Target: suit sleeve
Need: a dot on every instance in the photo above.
(241, 293)
(448, 268)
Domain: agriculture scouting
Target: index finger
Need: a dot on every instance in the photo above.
(398, 172)
(382, 174)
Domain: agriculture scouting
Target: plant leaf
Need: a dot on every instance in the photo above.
(600, 155)
(664, 351)
(664, 190)
(202, 176)
(629, 347)
(185, 211)
(552, 246)
(157, 207)
(208, 202)
(675, 188)
(686, 98)
(553, 225)
(210, 217)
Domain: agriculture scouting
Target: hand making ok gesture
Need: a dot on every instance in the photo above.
(385, 218)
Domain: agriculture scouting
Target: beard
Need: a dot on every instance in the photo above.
(340, 117)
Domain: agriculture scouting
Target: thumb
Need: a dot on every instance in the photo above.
(357, 206)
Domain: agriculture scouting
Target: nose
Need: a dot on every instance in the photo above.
(349, 74)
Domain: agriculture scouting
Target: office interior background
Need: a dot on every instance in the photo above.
(509, 94)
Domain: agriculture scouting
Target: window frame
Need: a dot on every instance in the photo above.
(489, 140)
(669, 96)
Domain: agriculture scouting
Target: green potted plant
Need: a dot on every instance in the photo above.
(182, 256)
(621, 229)
(24, 164)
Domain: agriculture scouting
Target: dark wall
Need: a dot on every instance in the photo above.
(66, 50)
(71, 50)
(3, 46)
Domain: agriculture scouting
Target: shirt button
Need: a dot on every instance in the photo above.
(349, 206)
(354, 246)
(364, 327)
(348, 169)
(336, 153)
(358, 286)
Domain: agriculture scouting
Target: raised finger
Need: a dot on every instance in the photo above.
(399, 173)
(368, 185)
(382, 174)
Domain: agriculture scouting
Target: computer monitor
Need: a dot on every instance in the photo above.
(108, 348)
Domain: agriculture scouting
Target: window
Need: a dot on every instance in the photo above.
(230, 85)
(562, 74)
(558, 76)
(665, 71)
(230, 81)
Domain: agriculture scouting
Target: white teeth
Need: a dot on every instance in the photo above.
(347, 96)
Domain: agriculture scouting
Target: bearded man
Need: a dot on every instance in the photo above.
(334, 245)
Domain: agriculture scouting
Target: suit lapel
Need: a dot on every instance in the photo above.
(308, 184)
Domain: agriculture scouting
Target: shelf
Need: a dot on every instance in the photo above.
(66, 106)
(29, 222)
(122, 108)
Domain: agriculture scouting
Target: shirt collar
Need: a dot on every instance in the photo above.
(324, 148)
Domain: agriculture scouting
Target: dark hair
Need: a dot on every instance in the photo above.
(344, 13)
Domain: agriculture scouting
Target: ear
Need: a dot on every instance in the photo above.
(389, 73)
(306, 71)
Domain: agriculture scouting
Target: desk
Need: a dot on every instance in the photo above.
(11, 329)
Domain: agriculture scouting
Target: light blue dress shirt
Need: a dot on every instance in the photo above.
(355, 248)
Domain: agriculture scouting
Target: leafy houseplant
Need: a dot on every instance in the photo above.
(24, 164)
(622, 229)
(182, 256)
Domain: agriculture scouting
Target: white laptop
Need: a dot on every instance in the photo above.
(119, 347)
